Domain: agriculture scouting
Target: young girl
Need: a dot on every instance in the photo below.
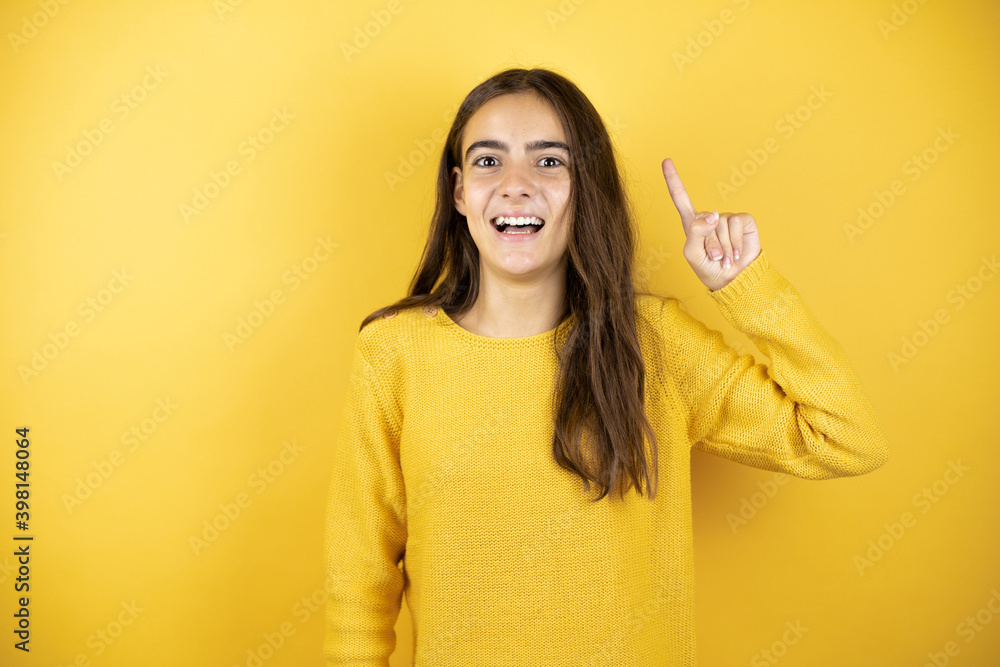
(514, 452)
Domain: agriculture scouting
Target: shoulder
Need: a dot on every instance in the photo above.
(386, 338)
(649, 306)
(649, 321)
(663, 309)
(658, 310)
(670, 323)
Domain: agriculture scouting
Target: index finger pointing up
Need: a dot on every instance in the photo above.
(678, 193)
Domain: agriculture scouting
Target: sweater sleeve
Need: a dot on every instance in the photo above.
(807, 415)
(365, 526)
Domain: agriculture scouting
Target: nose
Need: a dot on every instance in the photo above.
(517, 180)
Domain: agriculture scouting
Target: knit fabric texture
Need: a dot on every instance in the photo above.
(444, 488)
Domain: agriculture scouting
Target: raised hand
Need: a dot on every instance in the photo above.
(718, 246)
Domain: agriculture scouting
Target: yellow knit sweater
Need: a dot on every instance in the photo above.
(444, 487)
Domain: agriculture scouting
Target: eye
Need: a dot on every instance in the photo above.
(490, 157)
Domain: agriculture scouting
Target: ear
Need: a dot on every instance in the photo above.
(458, 193)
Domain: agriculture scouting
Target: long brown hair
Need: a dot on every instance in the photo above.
(601, 389)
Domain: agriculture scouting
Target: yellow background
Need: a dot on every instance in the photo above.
(320, 175)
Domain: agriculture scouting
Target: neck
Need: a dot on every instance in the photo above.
(508, 309)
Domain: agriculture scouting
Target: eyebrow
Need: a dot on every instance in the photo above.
(540, 144)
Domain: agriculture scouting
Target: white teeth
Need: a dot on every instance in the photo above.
(530, 220)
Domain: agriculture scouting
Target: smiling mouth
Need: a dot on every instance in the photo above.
(528, 225)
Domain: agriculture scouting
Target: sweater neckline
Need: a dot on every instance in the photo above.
(545, 338)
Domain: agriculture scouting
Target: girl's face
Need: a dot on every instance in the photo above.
(515, 161)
